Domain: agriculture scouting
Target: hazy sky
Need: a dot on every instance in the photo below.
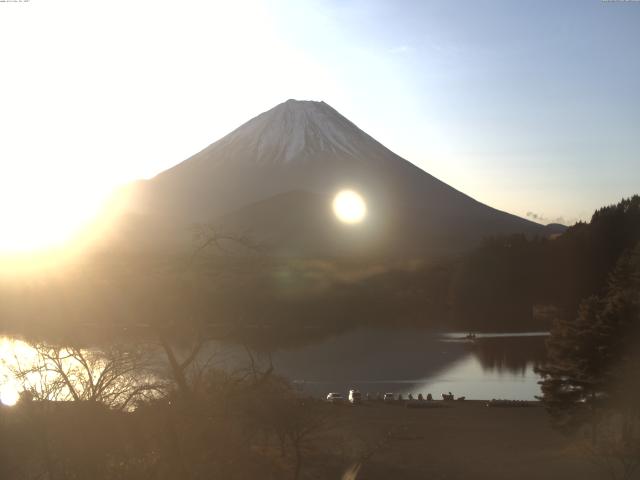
(531, 107)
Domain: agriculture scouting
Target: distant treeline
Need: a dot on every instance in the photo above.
(508, 283)
(500, 283)
(497, 286)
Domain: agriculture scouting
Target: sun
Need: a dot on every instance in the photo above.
(349, 207)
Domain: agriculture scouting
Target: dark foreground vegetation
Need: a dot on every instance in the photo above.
(590, 380)
(118, 414)
(250, 430)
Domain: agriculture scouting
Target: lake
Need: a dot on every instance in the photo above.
(398, 360)
(412, 360)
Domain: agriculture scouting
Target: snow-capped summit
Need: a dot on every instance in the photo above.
(293, 131)
(293, 128)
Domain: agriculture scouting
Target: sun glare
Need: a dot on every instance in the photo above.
(42, 233)
(35, 221)
(349, 207)
(9, 395)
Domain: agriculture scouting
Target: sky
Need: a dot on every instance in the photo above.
(532, 107)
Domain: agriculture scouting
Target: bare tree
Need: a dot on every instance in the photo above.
(210, 244)
(187, 369)
(117, 376)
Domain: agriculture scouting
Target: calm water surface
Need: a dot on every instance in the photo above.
(413, 360)
(399, 360)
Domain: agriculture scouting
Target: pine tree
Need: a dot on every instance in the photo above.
(591, 357)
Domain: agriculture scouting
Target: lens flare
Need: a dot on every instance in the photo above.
(349, 207)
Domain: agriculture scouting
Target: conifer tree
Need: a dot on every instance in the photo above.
(591, 357)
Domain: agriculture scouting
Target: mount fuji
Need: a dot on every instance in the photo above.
(276, 175)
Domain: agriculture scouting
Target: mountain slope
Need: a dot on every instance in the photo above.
(294, 158)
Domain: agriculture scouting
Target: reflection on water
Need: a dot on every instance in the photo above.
(400, 360)
(471, 378)
(513, 355)
(417, 361)
(13, 354)
(116, 375)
